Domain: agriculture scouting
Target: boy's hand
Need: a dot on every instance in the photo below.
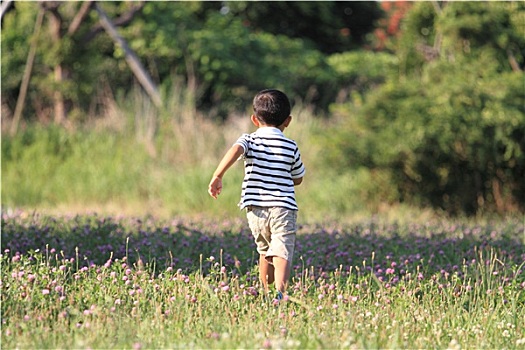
(215, 187)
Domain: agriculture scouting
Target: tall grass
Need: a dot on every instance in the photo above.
(137, 160)
(100, 282)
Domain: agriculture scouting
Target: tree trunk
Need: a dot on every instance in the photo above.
(20, 102)
(140, 73)
(55, 27)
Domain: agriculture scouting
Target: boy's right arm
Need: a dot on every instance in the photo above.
(215, 186)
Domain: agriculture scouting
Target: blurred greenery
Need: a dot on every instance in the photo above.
(434, 117)
(449, 132)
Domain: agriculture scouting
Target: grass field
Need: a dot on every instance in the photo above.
(99, 282)
(172, 268)
(109, 165)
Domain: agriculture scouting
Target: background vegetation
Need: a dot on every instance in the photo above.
(407, 105)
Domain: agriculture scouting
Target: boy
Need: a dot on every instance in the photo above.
(273, 167)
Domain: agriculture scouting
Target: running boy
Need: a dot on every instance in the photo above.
(272, 167)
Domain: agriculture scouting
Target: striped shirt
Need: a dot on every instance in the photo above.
(271, 162)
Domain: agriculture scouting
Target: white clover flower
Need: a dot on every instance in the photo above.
(454, 345)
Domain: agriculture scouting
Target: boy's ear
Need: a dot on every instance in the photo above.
(255, 121)
(287, 121)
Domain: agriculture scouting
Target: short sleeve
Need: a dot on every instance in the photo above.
(298, 169)
(244, 142)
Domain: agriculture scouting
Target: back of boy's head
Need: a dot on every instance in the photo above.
(271, 107)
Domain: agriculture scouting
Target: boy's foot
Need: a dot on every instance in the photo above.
(276, 300)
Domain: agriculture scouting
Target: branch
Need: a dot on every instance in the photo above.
(140, 73)
(438, 38)
(27, 73)
(56, 21)
(513, 62)
(4, 7)
(123, 20)
(82, 13)
(437, 7)
(51, 6)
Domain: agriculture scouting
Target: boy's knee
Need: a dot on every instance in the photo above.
(269, 259)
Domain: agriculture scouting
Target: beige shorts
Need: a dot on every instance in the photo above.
(274, 230)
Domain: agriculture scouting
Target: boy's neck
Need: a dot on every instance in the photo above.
(281, 127)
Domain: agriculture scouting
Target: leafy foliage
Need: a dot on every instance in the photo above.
(436, 119)
(331, 26)
(223, 58)
(452, 134)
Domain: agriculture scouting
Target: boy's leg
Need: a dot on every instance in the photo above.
(282, 269)
(266, 272)
(283, 230)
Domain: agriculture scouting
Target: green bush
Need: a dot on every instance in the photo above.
(448, 124)
(454, 144)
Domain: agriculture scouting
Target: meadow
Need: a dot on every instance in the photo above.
(110, 241)
(94, 281)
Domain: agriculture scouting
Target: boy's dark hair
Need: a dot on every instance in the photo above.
(271, 107)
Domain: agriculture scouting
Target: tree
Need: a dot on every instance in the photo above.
(68, 67)
(331, 26)
(449, 127)
(225, 51)
(223, 60)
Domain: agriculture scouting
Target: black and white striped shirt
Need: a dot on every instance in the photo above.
(271, 161)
